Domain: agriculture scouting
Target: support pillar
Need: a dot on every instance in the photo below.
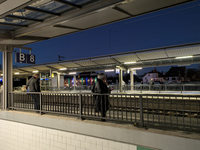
(131, 80)
(26, 80)
(50, 78)
(74, 81)
(7, 77)
(120, 80)
(58, 85)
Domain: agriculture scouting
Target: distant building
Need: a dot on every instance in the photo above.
(155, 75)
(176, 74)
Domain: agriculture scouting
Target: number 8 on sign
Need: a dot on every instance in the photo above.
(32, 58)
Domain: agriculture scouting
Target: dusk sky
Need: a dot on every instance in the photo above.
(173, 26)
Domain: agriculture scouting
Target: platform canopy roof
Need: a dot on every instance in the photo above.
(164, 56)
(27, 21)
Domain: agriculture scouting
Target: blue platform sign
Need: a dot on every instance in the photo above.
(24, 58)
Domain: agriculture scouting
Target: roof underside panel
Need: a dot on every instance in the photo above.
(184, 51)
(96, 19)
(52, 32)
(138, 7)
(148, 58)
(49, 18)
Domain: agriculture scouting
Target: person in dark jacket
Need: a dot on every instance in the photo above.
(33, 85)
(101, 102)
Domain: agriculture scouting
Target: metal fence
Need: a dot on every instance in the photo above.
(1, 100)
(180, 112)
(160, 88)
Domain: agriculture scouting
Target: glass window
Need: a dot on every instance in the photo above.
(78, 2)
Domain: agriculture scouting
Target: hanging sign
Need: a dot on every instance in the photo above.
(24, 58)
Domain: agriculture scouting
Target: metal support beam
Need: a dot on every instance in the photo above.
(7, 77)
(22, 47)
(24, 18)
(41, 11)
(66, 27)
(122, 11)
(12, 24)
(31, 38)
(68, 3)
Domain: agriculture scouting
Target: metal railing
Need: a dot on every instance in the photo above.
(1, 100)
(160, 88)
(142, 88)
(180, 112)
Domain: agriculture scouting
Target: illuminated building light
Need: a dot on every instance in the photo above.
(130, 62)
(63, 69)
(72, 73)
(109, 70)
(182, 57)
(136, 68)
(36, 71)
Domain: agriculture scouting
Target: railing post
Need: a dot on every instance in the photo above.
(80, 105)
(40, 103)
(141, 111)
(181, 89)
(159, 88)
(12, 101)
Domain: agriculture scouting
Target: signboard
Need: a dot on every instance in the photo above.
(24, 58)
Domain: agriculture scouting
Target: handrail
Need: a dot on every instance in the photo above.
(171, 111)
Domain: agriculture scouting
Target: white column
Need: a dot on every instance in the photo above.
(74, 81)
(58, 85)
(26, 80)
(40, 81)
(7, 77)
(131, 79)
(50, 78)
(120, 80)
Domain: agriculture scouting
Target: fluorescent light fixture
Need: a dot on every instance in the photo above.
(16, 72)
(72, 73)
(109, 70)
(63, 69)
(117, 71)
(36, 71)
(130, 62)
(136, 68)
(128, 71)
(182, 57)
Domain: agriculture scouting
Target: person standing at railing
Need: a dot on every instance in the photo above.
(33, 85)
(101, 102)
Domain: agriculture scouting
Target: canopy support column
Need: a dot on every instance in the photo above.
(74, 81)
(58, 77)
(131, 80)
(7, 77)
(120, 80)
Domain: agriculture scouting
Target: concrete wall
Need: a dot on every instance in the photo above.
(24, 131)
(19, 136)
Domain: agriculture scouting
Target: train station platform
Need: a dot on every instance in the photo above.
(133, 122)
(25, 130)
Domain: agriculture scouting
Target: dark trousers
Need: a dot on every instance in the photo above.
(36, 100)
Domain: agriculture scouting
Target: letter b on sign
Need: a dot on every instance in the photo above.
(22, 57)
